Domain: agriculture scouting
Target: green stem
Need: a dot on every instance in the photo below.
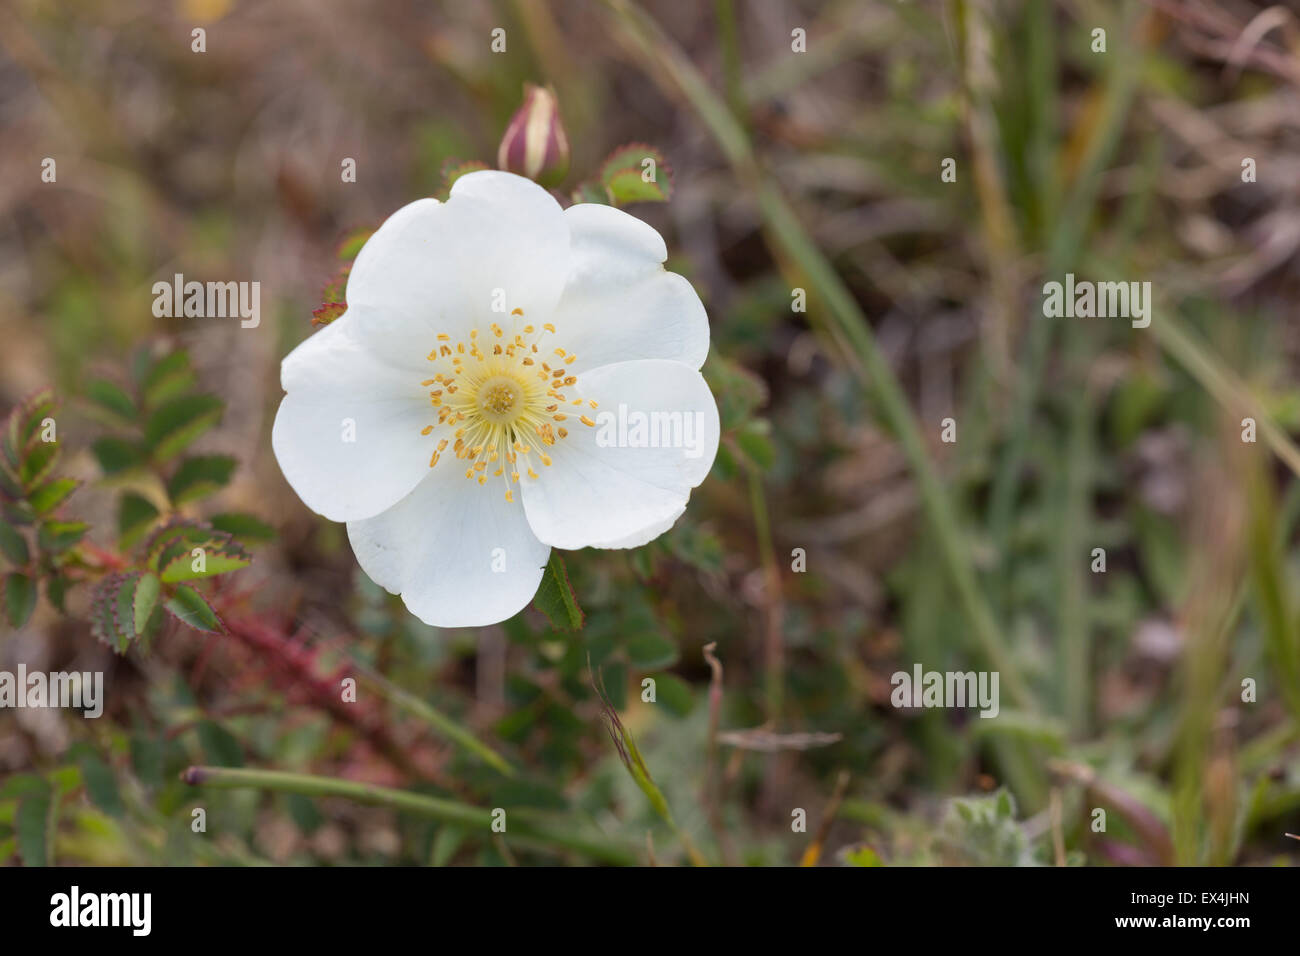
(529, 829)
(439, 721)
(774, 649)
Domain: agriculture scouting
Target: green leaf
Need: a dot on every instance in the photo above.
(650, 651)
(56, 589)
(20, 599)
(175, 537)
(628, 186)
(55, 537)
(243, 527)
(217, 558)
(101, 785)
(555, 597)
(327, 312)
(174, 425)
(167, 378)
(25, 420)
(111, 403)
(623, 175)
(38, 463)
(200, 476)
(112, 610)
(52, 494)
(144, 599)
(674, 693)
(32, 825)
(353, 242)
(13, 544)
(453, 169)
(116, 455)
(189, 607)
(134, 517)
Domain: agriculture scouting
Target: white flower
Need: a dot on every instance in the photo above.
(485, 396)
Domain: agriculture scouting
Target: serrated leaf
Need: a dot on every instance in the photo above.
(178, 530)
(52, 494)
(216, 560)
(20, 599)
(13, 544)
(626, 186)
(244, 528)
(167, 378)
(144, 599)
(353, 242)
(622, 174)
(37, 464)
(135, 516)
(25, 420)
(200, 476)
(328, 312)
(116, 455)
(453, 169)
(336, 289)
(190, 608)
(111, 402)
(112, 610)
(555, 597)
(177, 423)
(55, 537)
(32, 828)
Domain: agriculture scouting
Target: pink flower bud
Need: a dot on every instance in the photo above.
(535, 144)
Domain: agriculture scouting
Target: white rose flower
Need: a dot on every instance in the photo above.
(509, 376)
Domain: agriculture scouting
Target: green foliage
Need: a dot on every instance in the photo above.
(151, 423)
(983, 831)
(555, 597)
(189, 607)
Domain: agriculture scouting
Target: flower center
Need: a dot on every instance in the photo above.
(499, 397)
(502, 401)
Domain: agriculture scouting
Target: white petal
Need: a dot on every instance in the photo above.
(437, 547)
(339, 390)
(597, 494)
(619, 304)
(500, 242)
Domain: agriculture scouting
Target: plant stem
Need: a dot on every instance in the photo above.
(530, 829)
(774, 645)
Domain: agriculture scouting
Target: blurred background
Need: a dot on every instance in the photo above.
(839, 538)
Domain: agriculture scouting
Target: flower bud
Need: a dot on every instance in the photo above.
(535, 144)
